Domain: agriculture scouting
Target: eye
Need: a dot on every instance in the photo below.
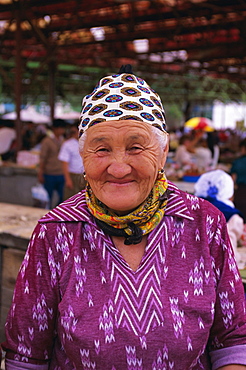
(136, 149)
(101, 151)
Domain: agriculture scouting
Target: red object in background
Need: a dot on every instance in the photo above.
(199, 123)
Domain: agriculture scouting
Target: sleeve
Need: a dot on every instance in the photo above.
(224, 356)
(31, 321)
(229, 326)
(64, 153)
(17, 365)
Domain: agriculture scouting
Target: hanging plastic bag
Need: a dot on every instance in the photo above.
(40, 196)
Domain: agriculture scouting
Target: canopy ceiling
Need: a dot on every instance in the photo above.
(180, 46)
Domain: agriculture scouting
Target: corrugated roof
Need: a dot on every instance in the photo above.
(175, 37)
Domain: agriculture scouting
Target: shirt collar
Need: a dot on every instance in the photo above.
(75, 208)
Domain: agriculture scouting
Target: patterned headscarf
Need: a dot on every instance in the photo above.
(122, 96)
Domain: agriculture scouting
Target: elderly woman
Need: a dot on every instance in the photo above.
(131, 273)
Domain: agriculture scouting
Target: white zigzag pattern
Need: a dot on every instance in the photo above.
(146, 299)
(179, 206)
(73, 209)
(115, 276)
(126, 321)
(137, 299)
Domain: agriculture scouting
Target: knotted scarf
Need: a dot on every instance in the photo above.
(135, 224)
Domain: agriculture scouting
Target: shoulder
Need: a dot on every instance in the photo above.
(70, 144)
(46, 141)
(239, 160)
(65, 145)
(67, 142)
(73, 209)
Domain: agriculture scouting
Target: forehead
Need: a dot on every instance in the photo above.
(120, 129)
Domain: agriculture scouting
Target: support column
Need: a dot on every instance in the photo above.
(18, 77)
(52, 73)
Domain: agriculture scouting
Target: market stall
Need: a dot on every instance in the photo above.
(16, 226)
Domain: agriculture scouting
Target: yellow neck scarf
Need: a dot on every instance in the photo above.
(147, 216)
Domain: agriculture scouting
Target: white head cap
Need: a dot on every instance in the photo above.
(215, 184)
(122, 96)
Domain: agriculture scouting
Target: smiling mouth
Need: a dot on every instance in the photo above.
(125, 182)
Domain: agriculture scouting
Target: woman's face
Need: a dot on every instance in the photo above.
(121, 160)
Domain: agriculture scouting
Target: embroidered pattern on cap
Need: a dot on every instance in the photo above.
(122, 97)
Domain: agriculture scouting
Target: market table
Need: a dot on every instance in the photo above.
(16, 183)
(16, 225)
(185, 186)
(243, 276)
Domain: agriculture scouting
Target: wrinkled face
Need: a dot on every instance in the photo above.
(121, 160)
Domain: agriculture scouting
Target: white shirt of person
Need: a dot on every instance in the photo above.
(203, 158)
(69, 153)
(7, 136)
(183, 156)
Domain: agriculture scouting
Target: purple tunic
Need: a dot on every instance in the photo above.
(78, 305)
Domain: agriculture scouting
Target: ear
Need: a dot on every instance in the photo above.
(164, 153)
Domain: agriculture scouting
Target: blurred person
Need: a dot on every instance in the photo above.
(213, 145)
(173, 141)
(130, 273)
(202, 155)
(233, 141)
(72, 163)
(184, 154)
(238, 172)
(7, 140)
(41, 131)
(50, 172)
(218, 188)
(193, 152)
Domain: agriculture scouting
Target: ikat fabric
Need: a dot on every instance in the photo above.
(78, 304)
(122, 97)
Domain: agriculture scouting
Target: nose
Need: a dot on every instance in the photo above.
(119, 167)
